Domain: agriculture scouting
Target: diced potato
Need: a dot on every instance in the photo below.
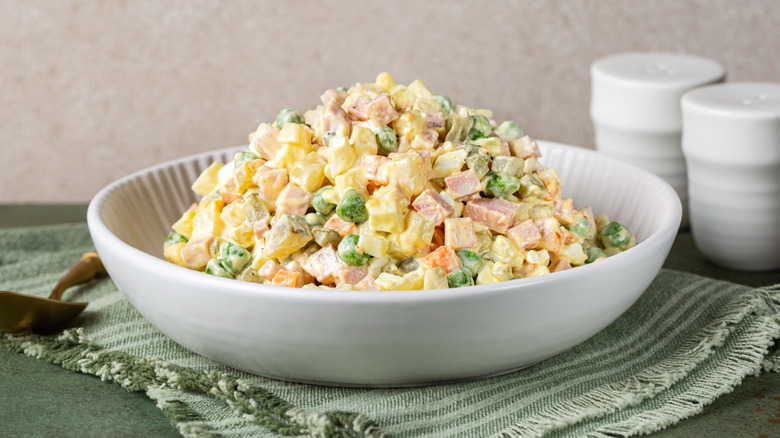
(435, 278)
(183, 226)
(208, 180)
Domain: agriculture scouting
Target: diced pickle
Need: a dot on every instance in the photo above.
(325, 236)
(289, 234)
(512, 166)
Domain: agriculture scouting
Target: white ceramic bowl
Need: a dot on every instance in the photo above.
(373, 338)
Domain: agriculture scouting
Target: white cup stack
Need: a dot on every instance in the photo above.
(635, 108)
(731, 141)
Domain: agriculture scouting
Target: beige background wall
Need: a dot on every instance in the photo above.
(95, 89)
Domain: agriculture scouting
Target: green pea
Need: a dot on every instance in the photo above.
(470, 261)
(509, 129)
(217, 268)
(580, 228)
(174, 238)
(501, 185)
(244, 156)
(386, 140)
(352, 207)
(235, 257)
(320, 205)
(445, 102)
(348, 252)
(615, 235)
(594, 253)
(288, 115)
(459, 278)
(480, 128)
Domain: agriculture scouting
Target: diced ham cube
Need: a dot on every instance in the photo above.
(560, 264)
(459, 233)
(324, 264)
(351, 274)
(443, 256)
(264, 141)
(340, 226)
(270, 182)
(564, 211)
(334, 121)
(367, 283)
(425, 140)
(269, 270)
(433, 206)
(525, 148)
(337, 96)
(495, 213)
(381, 110)
(358, 108)
(293, 200)
(260, 228)
(196, 253)
(524, 235)
(374, 168)
(552, 238)
(434, 120)
(463, 184)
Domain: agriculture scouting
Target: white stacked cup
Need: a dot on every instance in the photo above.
(731, 141)
(635, 108)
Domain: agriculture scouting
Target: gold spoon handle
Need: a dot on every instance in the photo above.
(86, 269)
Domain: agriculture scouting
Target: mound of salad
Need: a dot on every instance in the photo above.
(387, 187)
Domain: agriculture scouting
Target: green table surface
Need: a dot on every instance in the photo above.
(39, 399)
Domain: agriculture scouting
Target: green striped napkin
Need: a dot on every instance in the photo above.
(686, 341)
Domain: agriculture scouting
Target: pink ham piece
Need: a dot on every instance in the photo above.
(196, 253)
(367, 283)
(559, 265)
(434, 120)
(357, 111)
(324, 265)
(564, 211)
(374, 169)
(433, 207)
(269, 270)
(270, 182)
(293, 200)
(351, 274)
(525, 148)
(552, 238)
(463, 184)
(337, 96)
(381, 110)
(495, 213)
(524, 235)
(334, 121)
(260, 228)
